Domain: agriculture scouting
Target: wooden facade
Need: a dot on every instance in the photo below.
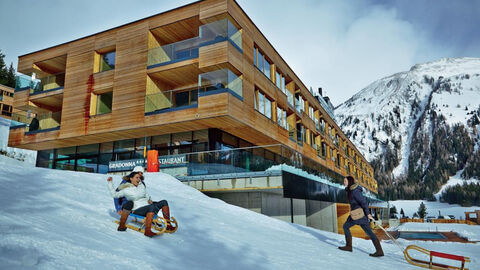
(139, 74)
(6, 101)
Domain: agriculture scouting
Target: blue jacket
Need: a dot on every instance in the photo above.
(357, 200)
(119, 202)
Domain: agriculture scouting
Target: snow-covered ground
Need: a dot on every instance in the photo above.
(53, 219)
(411, 206)
(471, 232)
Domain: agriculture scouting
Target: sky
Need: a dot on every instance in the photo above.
(341, 46)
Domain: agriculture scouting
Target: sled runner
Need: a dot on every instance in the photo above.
(432, 265)
(159, 224)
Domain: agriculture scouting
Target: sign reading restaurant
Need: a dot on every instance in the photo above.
(164, 162)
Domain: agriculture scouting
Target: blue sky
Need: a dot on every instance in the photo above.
(340, 45)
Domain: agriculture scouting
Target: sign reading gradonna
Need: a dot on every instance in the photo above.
(124, 165)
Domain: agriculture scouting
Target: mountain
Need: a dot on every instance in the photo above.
(419, 127)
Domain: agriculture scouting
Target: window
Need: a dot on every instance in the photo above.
(324, 149)
(261, 62)
(264, 104)
(104, 61)
(103, 103)
(310, 112)
(282, 118)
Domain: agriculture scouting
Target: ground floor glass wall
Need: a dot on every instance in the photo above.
(209, 151)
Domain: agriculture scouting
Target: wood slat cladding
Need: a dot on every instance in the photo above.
(177, 31)
(128, 82)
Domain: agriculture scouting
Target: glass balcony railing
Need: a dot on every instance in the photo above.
(290, 98)
(24, 82)
(170, 100)
(210, 33)
(36, 122)
(222, 80)
(253, 159)
(219, 31)
(178, 51)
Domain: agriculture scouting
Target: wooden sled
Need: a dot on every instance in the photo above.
(159, 224)
(432, 265)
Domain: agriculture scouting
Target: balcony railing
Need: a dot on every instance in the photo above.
(219, 31)
(251, 159)
(36, 122)
(170, 100)
(210, 33)
(52, 82)
(174, 52)
(222, 80)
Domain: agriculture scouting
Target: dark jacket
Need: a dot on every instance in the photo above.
(357, 200)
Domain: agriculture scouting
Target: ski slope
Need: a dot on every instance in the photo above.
(52, 219)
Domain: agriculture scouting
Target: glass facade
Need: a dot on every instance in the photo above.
(211, 151)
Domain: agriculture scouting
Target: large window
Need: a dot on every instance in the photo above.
(264, 105)
(280, 81)
(262, 63)
(282, 118)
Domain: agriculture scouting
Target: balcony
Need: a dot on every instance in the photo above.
(172, 100)
(218, 81)
(172, 53)
(44, 94)
(292, 131)
(211, 33)
(36, 122)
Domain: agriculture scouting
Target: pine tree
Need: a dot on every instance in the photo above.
(3, 69)
(402, 213)
(422, 210)
(10, 76)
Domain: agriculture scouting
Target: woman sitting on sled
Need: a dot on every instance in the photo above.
(139, 202)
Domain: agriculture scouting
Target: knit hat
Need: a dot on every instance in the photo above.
(138, 169)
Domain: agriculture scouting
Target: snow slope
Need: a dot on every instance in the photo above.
(53, 219)
(453, 181)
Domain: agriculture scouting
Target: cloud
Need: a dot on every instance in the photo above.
(345, 45)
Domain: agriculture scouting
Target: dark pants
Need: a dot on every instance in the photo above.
(366, 227)
(142, 211)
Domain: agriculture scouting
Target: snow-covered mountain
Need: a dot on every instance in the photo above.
(53, 219)
(418, 125)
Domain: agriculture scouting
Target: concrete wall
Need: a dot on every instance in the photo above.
(321, 215)
(249, 200)
(276, 206)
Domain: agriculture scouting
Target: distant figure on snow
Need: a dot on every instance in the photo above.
(358, 216)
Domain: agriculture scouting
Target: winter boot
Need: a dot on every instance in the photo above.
(348, 245)
(378, 247)
(148, 225)
(166, 215)
(123, 220)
